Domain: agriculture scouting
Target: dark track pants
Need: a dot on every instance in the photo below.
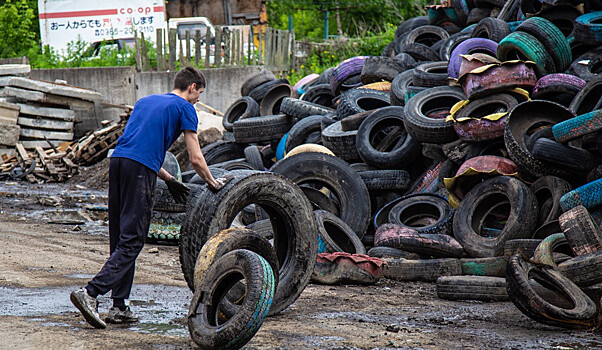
(131, 188)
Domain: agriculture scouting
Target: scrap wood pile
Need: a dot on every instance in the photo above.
(467, 155)
(39, 113)
(95, 145)
(38, 165)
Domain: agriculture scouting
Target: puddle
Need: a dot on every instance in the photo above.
(162, 309)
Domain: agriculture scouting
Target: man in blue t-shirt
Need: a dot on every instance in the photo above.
(155, 123)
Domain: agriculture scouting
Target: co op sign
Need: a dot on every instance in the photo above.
(65, 21)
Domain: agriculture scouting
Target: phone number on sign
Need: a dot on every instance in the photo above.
(123, 31)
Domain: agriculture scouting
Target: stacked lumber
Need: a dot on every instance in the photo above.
(9, 112)
(38, 166)
(45, 109)
(95, 145)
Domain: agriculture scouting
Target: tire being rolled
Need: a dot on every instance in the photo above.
(295, 239)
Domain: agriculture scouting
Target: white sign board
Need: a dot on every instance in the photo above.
(64, 21)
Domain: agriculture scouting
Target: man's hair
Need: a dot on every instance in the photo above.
(186, 77)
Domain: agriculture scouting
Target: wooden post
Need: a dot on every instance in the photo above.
(218, 46)
(268, 47)
(160, 62)
(227, 47)
(188, 48)
(137, 46)
(181, 56)
(250, 46)
(145, 62)
(197, 47)
(173, 34)
(285, 48)
(238, 47)
(292, 38)
(208, 48)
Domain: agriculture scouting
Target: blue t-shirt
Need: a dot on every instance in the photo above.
(155, 123)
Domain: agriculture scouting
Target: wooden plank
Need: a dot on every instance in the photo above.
(285, 54)
(268, 48)
(218, 46)
(44, 123)
(227, 47)
(69, 163)
(39, 134)
(197, 47)
(137, 52)
(31, 144)
(207, 49)
(145, 62)
(250, 50)
(260, 49)
(159, 50)
(21, 152)
(173, 34)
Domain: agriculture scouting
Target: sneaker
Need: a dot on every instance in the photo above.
(117, 316)
(88, 306)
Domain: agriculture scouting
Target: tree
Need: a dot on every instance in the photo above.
(17, 21)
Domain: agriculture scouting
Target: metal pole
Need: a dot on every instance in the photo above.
(326, 24)
(290, 22)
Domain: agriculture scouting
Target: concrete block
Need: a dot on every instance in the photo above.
(41, 134)
(9, 112)
(55, 89)
(54, 113)
(14, 69)
(37, 96)
(44, 123)
(9, 134)
(4, 80)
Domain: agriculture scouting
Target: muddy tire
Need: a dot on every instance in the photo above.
(295, 239)
(222, 151)
(544, 253)
(262, 129)
(259, 92)
(388, 252)
(482, 288)
(430, 74)
(525, 247)
(341, 143)
(253, 156)
(475, 207)
(491, 28)
(319, 94)
(204, 328)
(301, 130)
(255, 81)
(324, 171)
(165, 227)
(494, 267)
(244, 107)
(385, 180)
(425, 213)
(382, 140)
(301, 109)
(420, 270)
(548, 190)
(519, 275)
(336, 235)
(581, 231)
(379, 68)
(359, 100)
(584, 270)
(406, 239)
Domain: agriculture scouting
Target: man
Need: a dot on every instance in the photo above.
(155, 123)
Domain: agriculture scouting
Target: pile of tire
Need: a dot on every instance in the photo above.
(466, 155)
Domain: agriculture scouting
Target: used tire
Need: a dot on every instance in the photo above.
(480, 288)
(295, 240)
(322, 171)
(385, 180)
(551, 38)
(519, 277)
(423, 212)
(587, 195)
(470, 216)
(255, 81)
(222, 151)
(270, 104)
(301, 109)
(379, 68)
(548, 190)
(341, 143)
(426, 113)
(204, 328)
(420, 270)
(382, 140)
(526, 47)
(244, 107)
(430, 74)
(491, 28)
(319, 94)
(262, 129)
(495, 267)
(336, 235)
(359, 100)
(301, 130)
(581, 231)
(408, 239)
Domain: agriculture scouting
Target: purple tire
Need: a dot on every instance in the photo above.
(468, 47)
(557, 83)
(345, 70)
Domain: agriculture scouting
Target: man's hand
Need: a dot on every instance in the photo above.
(178, 190)
(221, 182)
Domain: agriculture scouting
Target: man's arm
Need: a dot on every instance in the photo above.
(196, 158)
(164, 175)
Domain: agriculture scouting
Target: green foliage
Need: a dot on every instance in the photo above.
(16, 23)
(335, 51)
(356, 16)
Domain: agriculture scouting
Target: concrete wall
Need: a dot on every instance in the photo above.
(122, 85)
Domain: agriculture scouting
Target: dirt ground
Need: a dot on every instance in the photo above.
(53, 239)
